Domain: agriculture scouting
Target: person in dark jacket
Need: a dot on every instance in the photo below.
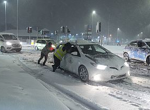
(44, 53)
(59, 54)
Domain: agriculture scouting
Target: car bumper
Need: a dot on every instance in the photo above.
(108, 74)
(11, 48)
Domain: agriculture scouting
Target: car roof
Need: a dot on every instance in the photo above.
(146, 40)
(6, 33)
(80, 43)
(44, 39)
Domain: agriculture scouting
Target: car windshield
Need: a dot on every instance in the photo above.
(93, 49)
(9, 37)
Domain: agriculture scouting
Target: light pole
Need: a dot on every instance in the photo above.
(17, 18)
(93, 13)
(5, 2)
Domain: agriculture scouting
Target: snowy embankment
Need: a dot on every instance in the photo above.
(21, 91)
(93, 96)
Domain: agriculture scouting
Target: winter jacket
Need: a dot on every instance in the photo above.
(46, 50)
(59, 53)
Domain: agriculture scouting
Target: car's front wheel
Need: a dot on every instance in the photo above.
(148, 60)
(83, 73)
(126, 57)
(3, 49)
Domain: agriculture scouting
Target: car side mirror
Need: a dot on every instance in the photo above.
(74, 53)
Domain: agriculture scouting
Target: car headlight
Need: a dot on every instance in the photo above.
(8, 43)
(53, 46)
(126, 64)
(100, 67)
(21, 43)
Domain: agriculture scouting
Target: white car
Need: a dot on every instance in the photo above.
(40, 43)
(9, 42)
(93, 62)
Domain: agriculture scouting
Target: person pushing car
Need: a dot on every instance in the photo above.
(59, 54)
(44, 53)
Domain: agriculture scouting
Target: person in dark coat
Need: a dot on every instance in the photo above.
(44, 53)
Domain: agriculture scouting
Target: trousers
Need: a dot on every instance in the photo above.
(43, 55)
(56, 63)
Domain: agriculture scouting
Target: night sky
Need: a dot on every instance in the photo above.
(131, 16)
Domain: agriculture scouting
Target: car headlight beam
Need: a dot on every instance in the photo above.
(97, 78)
(100, 67)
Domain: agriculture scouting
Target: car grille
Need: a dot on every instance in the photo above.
(119, 76)
(114, 68)
(16, 45)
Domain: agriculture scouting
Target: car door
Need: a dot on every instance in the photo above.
(133, 50)
(72, 59)
(142, 51)
(1, 40)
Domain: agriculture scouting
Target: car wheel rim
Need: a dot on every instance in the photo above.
(126, 57)
(83, 74)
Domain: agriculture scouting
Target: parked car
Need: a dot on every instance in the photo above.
(9, 42)
(90, 61)
(138, 50)
(40, 43)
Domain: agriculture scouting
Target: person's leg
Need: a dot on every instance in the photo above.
(56, 63)
(40, 58)
(46, 56)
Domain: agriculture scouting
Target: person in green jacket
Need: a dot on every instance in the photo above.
(59, 54)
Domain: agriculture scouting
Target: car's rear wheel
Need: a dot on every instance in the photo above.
(36, 48)
(83, 73)
(126, 57)
(3, 49)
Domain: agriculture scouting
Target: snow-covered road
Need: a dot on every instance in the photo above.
(130, 94)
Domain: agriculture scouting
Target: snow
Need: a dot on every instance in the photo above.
(130, 94)
(21, 91)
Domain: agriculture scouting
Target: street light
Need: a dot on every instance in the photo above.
(142, 35)
(93, 13)
(118, 29)
(5, 2)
